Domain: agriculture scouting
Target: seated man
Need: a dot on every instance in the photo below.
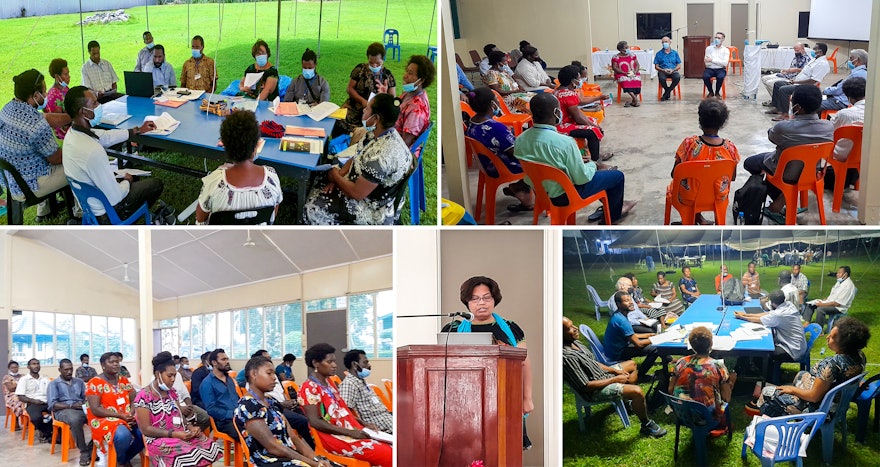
(184, 370)
(838, 301)
(145, 55)
(716, 60)
(85, 372)
(284, 371)
(801, 282)
(99, 76)
(804, 128)
(199, 71)
(198, 376)
(33, 390)
(85, 159)
(543, 144)
(163, 72)
(784, 319)
(812, 74)
(66, 396)
(854, 89)
(529, 72)
(836, 98)
(751, 280)
(595, 382)
(359, 397)
(723, 276)
(218, 393)
(484, 63)
(797, 64)
(622, 342)
(667, 63)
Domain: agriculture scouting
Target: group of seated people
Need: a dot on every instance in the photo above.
(171, 422)
(364, 191)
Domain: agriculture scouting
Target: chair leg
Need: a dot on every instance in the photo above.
(820, 202)
(839, 187)
(677, 433)
(481, 185)
(491, 191)
(15, 213)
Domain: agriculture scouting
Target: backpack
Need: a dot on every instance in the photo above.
(749, 200)
(732, 291)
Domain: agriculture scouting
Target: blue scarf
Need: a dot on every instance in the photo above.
(465, 326)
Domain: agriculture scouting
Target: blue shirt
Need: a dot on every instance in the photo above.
(162, 76)
(219, 399)
(836, 91)
(60, 391)
(26, 140)
(241, 378)
(285, 370)
(463, 80)
(691, 286)
(617, 336)
(667, 60)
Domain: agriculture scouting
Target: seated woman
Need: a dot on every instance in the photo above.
(10, 383)
(55, 115)
(688, 285)
(497, 138)
(260, 420)
(240, 184)
(666, 290)
(111, 413)
(341, 433)
(171, 439)
(574, 123)
(706, 147)
(583, 75)
(415, 110)
(701, 378)
(309, 87)
(504, 85)
(363, 191)
(625, 66)
(847, 339)
(366, 78)
(266, 89)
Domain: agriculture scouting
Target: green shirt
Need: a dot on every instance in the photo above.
(543, 144)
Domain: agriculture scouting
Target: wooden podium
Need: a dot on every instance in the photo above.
(694, 53)
(482, 385)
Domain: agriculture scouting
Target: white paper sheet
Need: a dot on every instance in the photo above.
(251, 79)
(133, 172)
(165, 124)
(322, 110)
(666, 337)
(723, 343)
(380, 435)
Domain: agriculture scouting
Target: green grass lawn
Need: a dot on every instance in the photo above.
(608, 443)
(33, 42)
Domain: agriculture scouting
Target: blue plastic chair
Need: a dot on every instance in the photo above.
(417, 198)
(813, 330)
(84, 191)
(597, 302)
(790, 429)
(596, 345)
(432, 53)
(699, 419)
(583, 410)
(870, 392)
(844, 393)
(391, 38)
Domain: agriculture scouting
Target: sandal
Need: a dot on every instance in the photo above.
(628, 104)
(520, 208)
(599, 213)
(606, 157)
(776, 217)
(635, 104)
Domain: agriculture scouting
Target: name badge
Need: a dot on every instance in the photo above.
(376, 399)
(197, 76)
(120, 401)
(176, 421)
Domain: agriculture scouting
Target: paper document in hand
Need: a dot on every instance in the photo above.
(165, 124)
(323, 110)
(649, 322)
(379, 435)
(251, 79)
(294, 130)
(668, 336)
(133, 172)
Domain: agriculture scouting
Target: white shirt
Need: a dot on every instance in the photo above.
(98, 77)
(145, 56)
(86, 161)
(719, 57)
(815, 69)
(854, 115)
(792, 294)
(842, 293)
(788, 331)
(33, 388)
(533, 76)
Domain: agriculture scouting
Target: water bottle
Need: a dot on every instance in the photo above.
(608, 101)
(741, 219)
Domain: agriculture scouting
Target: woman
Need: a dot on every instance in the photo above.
(262, 424)
(171, 439)
(625, 66)
(185, 371)
(701, 378)
(415, 110)
(706, 147)
(688, 286)
(664, 289)
(54, 109)
(573, 122)
(583, 75)
(340, 431)
(504, 85)
(266, 89)
(481, 294)
(364, 190)
(309, 87)
(10, 382)
(847, 339)
(498, 138)
(240, 184)
(110, 412)
(366, 78)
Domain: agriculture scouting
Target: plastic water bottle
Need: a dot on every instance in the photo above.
(741, 219)
(608, 101)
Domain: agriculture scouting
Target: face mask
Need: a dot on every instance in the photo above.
(99, 112)
(185, 366)
(717, 42)
(665, 45)
(13, 374)
(262, 60)
(163, 386)
(363, 373)
(798, 54)
(197, 54)
(177, 367)
(558, 114)
(150, 45)
(850, 65)
(496, 110)
(376, 69)
(839, 280)
(410, 87)
(85, 365)
(43, 105)
(813, 53)
(368, 128)
(308, 73)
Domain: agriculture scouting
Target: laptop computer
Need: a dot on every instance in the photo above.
(139, 84)
(464, 338)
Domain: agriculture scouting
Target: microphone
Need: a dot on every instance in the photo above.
(464, 314)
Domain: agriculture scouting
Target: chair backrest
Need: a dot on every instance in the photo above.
(541, 173)
(595, 344)
(335, 380)
(734, 52)
(596, 49)
(382, 397)
(418, 145)
(597, 301)
(389, 388)
(287, 385)
(689, 413)
(810, 155)
(504, 109)
(635, 47)
(258, 216)
(843, 392)
(701, 176)
(466, 108)
(458, 61)
(813, 330)
(834, 53)
(475, 57)
(391, 36)
(790, 430)
(29, 196)
(321, 451)
(477, 148)
(245, 449)
(84, 192)
(853, 133)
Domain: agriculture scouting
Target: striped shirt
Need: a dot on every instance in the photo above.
(99, 76)
(26, 140)
(579, 367)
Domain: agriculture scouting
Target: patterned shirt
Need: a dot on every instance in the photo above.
(694, 148)
(199, 75)
(270, 72)
(700, 379)
(800, 281)
(248, 409)
(361, 398)
(26, 140)
(497, 138)
(797, 62)
(55, 105)
(691, 286)
(579, 367)
(415, 114)
(834, 370)
(98, 77)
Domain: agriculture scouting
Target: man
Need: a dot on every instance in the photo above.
(66, 397)
(784, 319)
(804, 128)
(198, 376)
(789, 289)
(241, 377)
(858, 65)
(543, 144)
(218, 393)
(529, 72)
(838, 301)
(854, 89)
(99, 76)
(85, 159)
(622, 342)
(667, 63)
(199, 71)
(751, 280)
(145, 55)
(163, 72)
(716, 60)
(284, 371)
(811, 75)
(85, 372)
(484, 63)
(797, 64)
(359, 396)
(184, 370)
(721, 277)
(596, 382)
(33, 390)
(800, 281)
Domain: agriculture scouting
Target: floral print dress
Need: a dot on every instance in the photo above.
(11, 399)
(365, 84)
(113, 398)
(700, 379)
(173, 452)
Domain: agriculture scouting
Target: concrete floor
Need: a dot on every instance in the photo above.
(644, 141)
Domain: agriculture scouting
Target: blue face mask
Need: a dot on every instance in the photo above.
(410, 87)
(308, 73)
(262, 60)
(150, 45)
(64, 84)
(368, 128)
(197, 54)
(99, 112)
(376, 69)
(163, 386)
(43, 105)
(717, 42)
(363, 373)
(496, 111)
(666, 45)
(850, 65)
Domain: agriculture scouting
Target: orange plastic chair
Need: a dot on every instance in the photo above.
(635, 47)
(245, 450)
(382, 397)
(111, 453)
(559, 215)
(853, 161)
(67, 441)
(288, 384)
(321, 451)
(188, 385)
(240, 390)
(735, 61)
(701, 176)
(620, 91)
(487, 184)
(389, 387)
(228, 444)
(27, 428)
(466, 108)
(335, 380)
(827, 113)
(10, 415)
(515, 122)
(723, 88)
(810, 179)
(233, 374)
(676, 91)
(833, 59)
(596, 49)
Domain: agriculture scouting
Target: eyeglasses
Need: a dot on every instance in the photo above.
(484, 299)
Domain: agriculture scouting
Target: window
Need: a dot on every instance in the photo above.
(185, 336)
(50, 337)
(82, 332)
(224, 331)
(386, 303)
(653, 25)
(239, 332)
(255, 330)
(272, 322)
(370, 318)
(293, 328)
(197, 334)
(99, 335)
(129, 343)
(63, 334)
(324, 304)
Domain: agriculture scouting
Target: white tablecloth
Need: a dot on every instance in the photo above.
(777, 59)
(602, 62)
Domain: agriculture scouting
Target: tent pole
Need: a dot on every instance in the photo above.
(657, 236)
(255, 20)
(824, 255)
(385, 23)
(338, 18)
(278, 36)
(188, 3)
(82, 37)
(295, 5)
(740, 252)
(320, 20)
(147, 10)
(431, 28)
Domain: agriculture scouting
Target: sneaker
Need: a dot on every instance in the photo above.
(653, 430)
(85, 457)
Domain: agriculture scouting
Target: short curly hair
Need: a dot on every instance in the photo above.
(568, 74)
(712, 114)
(318, 352)
(466, 290)
(57, 66)
(496, 57)
(852, 335)
(376, 48)
(240, 134)
(426, 71)
(700, 339)
(256, 48)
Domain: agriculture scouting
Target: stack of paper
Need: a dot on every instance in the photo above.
(322, 111)
(379, 435)
(165, 124)
(114, 118)
(304, 131)
(251, 79)
(743, 334)
(670, 335)
(244, 105)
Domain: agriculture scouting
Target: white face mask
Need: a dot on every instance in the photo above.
(14, 374)
(558, 114)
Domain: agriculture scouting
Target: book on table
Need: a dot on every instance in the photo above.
(299, 144)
